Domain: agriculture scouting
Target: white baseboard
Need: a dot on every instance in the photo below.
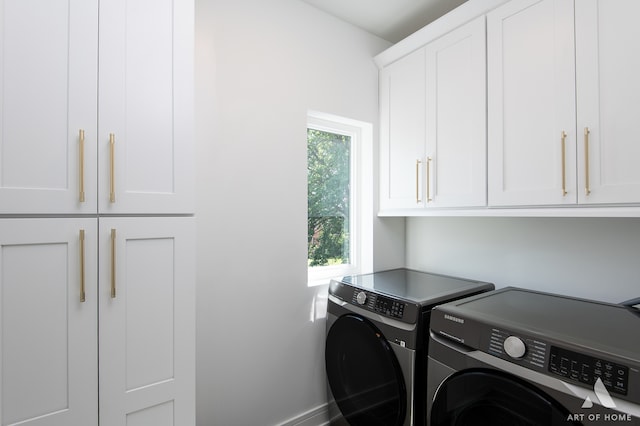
(318, 416)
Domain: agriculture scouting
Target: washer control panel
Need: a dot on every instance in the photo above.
(538, 355)
(587, 369)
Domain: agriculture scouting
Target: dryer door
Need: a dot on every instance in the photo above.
(491, 398)
(364, 374)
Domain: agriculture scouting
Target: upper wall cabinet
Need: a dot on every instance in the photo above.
(403, 127)
(608, 89)
(456, 118)
(78, 137)
(561, 131)
(558, 93)
(433, 131)
(531, 103)
(48, 94)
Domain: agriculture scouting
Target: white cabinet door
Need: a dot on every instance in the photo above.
(531, 103)
(48, 94)
(456, 118)
(402, 132)
(147, 322)
(608, 89)
(146, 107)
(48, 340)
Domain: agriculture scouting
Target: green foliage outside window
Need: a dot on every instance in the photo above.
(329, 193)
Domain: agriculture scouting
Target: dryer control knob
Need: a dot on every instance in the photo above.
(514, 347)
(361, 298)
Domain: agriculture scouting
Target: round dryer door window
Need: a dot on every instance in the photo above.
(492, 398)
(364, 374)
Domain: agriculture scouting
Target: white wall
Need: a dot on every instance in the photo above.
(596, 258)
(260, 66)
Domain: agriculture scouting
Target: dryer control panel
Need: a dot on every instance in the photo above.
(380, 304)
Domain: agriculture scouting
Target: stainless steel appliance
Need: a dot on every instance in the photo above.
(375, 354)
(520, 357)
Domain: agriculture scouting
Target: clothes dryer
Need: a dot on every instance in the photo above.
(375, 353)
(519, 357)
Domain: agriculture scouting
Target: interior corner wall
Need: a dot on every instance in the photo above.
(593, 258)
(260, 66)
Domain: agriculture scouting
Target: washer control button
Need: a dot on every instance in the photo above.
(361, 298)
(514, 347)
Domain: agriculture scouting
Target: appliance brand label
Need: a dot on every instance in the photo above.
(454, 319)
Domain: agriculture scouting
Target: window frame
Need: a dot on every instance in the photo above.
(361, 196)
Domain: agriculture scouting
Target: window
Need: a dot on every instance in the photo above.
(339, 203)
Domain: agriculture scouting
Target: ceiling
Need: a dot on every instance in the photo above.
(391, 20)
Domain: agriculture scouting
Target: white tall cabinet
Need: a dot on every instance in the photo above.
(48, 76)
(97, 236)
(75, 143)
(145, 110)
(48, 322)
(147, 318)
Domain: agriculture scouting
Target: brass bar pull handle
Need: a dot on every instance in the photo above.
(112, 157)
(563, 139)
(83, 296)
(587, 184)
(418, 200)
(429, 199)
(81, 165)
(113, 263)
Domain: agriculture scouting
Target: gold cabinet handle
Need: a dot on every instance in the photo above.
(418, 200)
(112, 165)
(81, 164)
(113, 263)
(429, 199)
(83, 296)
(587, 184)
(563, 140)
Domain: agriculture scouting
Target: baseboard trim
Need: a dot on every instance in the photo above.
(318, 416)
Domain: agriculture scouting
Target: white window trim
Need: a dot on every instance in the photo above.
(361, 220)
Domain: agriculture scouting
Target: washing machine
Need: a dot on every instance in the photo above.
(375, 352)
(515, 357)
